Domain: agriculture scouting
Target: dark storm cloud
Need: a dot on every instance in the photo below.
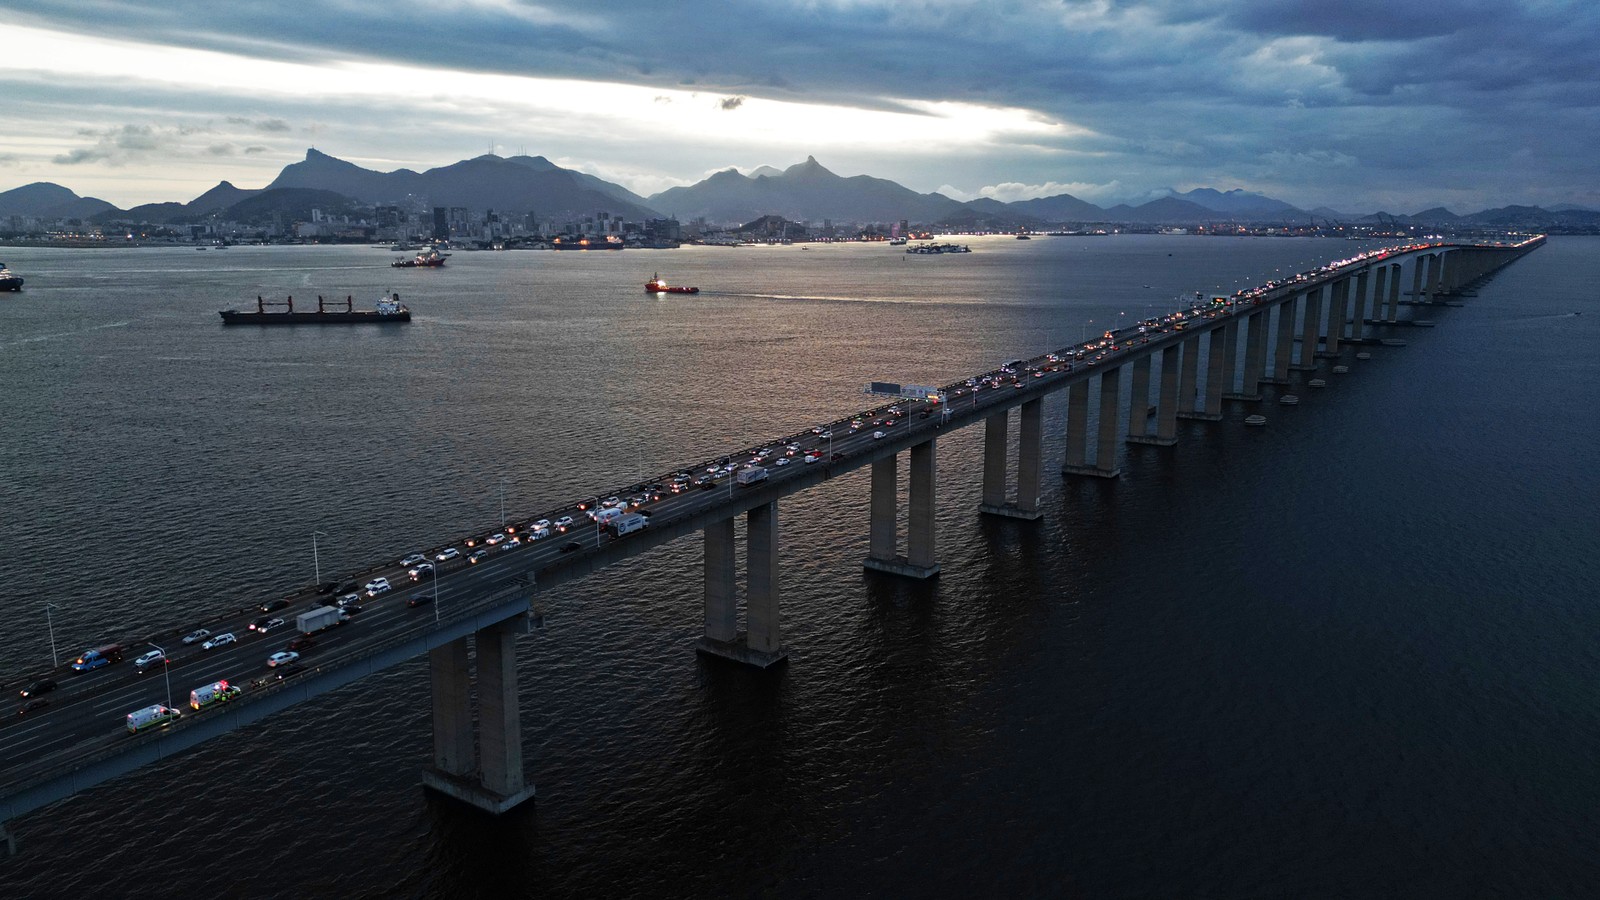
(1322, 95)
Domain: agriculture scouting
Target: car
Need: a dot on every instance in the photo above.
(538, 533)
(877, 435)
(33, 705)
(825, 435)
(197, 635)
(42, 686)
(496, 538)
(420, 600)
(349, 600)
(282, 658)
(148, 660)
(413, 559)
(419, 570)
(448, 554)
(377, 586)
(812, 457)
(349, 608)
(264, 624)
(570, 546)
(273, 605)
(542, 523)
(564, 522)
(782, 461)
(477, 556)
(302, 642)
(327, 587)
(221, 640)
(511, 543)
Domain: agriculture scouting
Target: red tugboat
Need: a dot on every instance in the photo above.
(656, 286)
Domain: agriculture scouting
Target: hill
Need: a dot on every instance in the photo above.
(46, 200)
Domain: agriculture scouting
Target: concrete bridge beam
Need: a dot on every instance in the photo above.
(1077, 454)
(1189, 379)
(1283, 349)
(1255, 356)
(996, 438)
(763, 635)
(1217, 371)
(1358, 321)
(920, 528)
(1167, 403)
(499, 784)
(722, 593)
(1030, 458)
(1139, 401)
(1338, 299)
(883, 539)
(450, 679)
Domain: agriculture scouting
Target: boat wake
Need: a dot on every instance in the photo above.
(36, 338)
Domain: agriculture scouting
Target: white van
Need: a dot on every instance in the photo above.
(150, 717)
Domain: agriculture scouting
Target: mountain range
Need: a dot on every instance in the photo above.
(803, 192)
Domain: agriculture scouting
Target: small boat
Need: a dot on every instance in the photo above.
(1363, 355)
(1340, 370)
(1255, 420)
(1316, 382)
(1288, 400)
(427, 259)
(9, 280)
(656, 286)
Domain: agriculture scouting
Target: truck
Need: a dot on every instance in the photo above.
(215, 692)
(750, 475)
(150, 717)
(96, 657)
(323, 617)
(626, 524)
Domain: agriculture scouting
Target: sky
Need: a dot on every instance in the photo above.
(1355, 105)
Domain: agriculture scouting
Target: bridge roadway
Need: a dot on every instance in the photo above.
(80, 738)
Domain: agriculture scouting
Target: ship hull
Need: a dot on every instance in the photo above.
(231, 317)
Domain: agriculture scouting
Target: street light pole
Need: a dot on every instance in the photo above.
(436, 595)
(164, 673)
(316, 563)
(502, 503)
(54, 659)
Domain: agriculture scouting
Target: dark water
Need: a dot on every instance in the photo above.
(1351, 654)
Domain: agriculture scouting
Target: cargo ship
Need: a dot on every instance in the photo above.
(9, 280)
(388, 309)
(656, 286)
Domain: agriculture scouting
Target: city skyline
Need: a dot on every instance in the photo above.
(1466, 104)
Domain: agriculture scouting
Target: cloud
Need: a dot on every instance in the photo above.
(9, 159)
(728, 103)
(254, 149)
(267, 126)
(220, 150)
(80, 156)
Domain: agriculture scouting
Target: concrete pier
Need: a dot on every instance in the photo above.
(1338, 298)
(1255, 356)
(496, 783)
(1217, 370)
(1105, 462)
(883, 537)
(995, 441)
(1077, 455)
(1030, 460)
(1358, 321)
(1139, 401)
(1283, 350)
(761, 642)
(1166, 423)
(1189, 379)
(1310, 332)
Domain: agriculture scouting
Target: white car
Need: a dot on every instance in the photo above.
(877, 435)
(198, 635)
(413, 559)
(148, 660)
(542, 524)
(419, 570)
(495, 539)
(377, 586)
(282, 658)
(782, 461)
(448, 554)
(221, 640)
(564, 522)
(512, 544)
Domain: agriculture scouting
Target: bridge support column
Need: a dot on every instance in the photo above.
(722, 593)
(1255, 355)
(1358, 322)
(1310, 332)
(1435, 275)
(1166, 403)
(499, 784)
(1231, 367)
(1216, 377)
(1189, 380)
(1077, 457)
(1418, 265)
(883, 543)
(1139, 401)
(1106, 449)
(1248, 391)
(450, 677)
(1338, 297)
(996, 437)
(1030, 458)
(1394, 294)
(1283, 349)
(761, 644)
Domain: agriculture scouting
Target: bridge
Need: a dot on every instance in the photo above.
(467, 612)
